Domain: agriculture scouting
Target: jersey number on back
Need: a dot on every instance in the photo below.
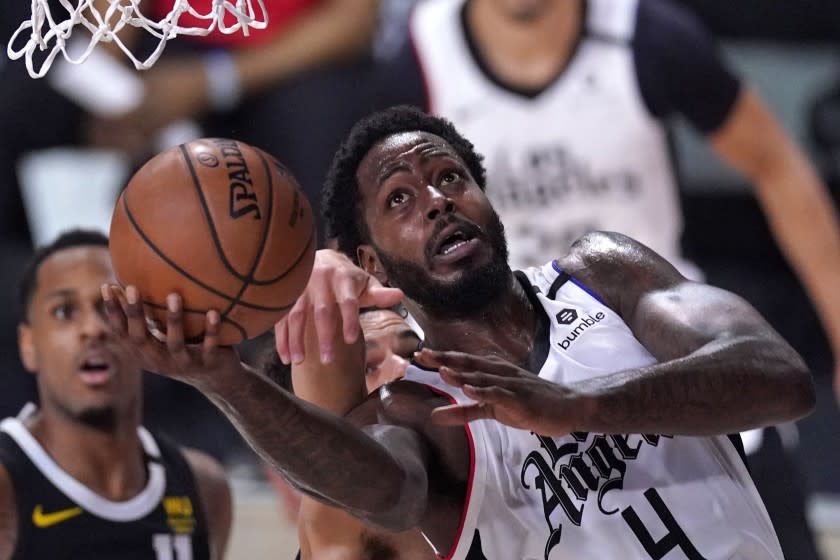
(172, 547)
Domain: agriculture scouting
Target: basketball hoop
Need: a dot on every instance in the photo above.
(51, 34)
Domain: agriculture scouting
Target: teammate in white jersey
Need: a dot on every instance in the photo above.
(625, 345)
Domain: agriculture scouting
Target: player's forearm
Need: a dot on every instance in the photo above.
(724, 387)
(321, 454)
(331, 31)
(804, 222)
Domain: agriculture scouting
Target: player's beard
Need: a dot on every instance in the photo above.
(475, 289)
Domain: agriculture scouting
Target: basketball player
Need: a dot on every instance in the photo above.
(328, 532)
(569, 100)
(607, 339)
(79, 476)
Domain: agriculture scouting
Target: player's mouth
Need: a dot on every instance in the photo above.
(96, 369)
(455, 242)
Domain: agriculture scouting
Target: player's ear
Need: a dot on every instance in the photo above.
(370, 263)
(26, 347)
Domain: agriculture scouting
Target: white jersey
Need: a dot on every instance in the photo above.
(597, 496)
(582, 155)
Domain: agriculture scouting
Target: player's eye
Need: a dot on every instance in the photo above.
(450, 177)
(63, 312)
(396, 198)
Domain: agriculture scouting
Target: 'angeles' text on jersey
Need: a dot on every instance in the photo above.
(588, 495)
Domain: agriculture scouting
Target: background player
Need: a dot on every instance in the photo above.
(79, 476)
(328, 532)
(673, 357)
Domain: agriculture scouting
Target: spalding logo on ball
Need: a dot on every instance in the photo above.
(224, 225)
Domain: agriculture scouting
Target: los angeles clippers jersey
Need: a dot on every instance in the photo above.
(584, 154)
(60, 518)
(600, 496)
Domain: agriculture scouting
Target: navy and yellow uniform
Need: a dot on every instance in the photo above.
(58, 517)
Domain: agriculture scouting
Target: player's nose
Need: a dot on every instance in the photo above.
(95, 324)
(439, 202)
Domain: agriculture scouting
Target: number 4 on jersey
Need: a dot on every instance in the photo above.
(674, 538)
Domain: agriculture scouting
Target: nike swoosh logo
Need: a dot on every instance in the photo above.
(43, 520)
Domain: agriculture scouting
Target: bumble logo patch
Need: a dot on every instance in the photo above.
(179, 514)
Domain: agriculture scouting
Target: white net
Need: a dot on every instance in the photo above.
(49, 34)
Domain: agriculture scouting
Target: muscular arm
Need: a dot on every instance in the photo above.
(8, 516)
(680, 71)
(215, 498)
(722, 367)
(332, 30)
(799, 210)
(378, 474)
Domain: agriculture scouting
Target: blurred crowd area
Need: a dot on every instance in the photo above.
(67, 146)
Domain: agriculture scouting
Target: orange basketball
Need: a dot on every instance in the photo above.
(224, 225)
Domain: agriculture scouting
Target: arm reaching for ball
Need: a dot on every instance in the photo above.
(382, 477)
(721, 367)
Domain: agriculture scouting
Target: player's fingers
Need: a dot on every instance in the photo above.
(465, 362)
(135, 316)
(376, 295)
(155, 328)
(210, 344)
(458, 378)
(348, 304)
(451, 376)
(492, 394)
(113, 310)
(281, 340)
(460, 414)
(325, 313)
(454, 360)
(175, 326)
(296, 321)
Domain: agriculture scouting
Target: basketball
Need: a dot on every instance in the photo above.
(224, 225)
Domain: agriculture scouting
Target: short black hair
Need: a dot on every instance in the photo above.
(341, 200)
(67, 240)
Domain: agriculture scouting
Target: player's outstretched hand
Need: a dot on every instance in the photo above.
(167, 354)
(337, 289)
(503, 392)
